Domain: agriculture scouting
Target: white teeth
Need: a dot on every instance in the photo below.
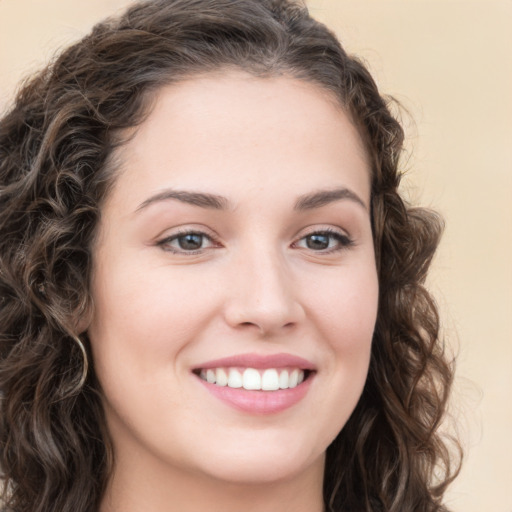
(235, 379)
(284, 379)
(270, 380)
(253, 379)
(222, 377)
(210, 376)
(294, 379)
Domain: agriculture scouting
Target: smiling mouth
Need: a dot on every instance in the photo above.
(269, 379)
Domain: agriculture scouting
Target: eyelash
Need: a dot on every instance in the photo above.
(342, 241)
(165, 243)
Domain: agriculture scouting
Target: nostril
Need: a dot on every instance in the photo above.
(268, 312)
(249, 325)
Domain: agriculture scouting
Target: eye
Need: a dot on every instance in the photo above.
(324, 241)
(190, 242)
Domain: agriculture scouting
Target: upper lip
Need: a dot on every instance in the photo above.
(259, 361)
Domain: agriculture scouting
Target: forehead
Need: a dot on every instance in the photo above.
(234, 128)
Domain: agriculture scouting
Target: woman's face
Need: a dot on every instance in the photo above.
(235, 250)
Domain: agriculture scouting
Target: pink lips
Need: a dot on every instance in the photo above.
(259, 402)
(260, 362)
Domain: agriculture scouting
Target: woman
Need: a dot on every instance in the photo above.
(212, 292)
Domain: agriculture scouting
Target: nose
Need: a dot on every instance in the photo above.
(262, 295)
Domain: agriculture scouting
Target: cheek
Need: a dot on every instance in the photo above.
(346, 317)
(346, 309)
(145, 318)
(140, 326)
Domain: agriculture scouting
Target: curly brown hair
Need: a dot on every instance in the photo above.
(56, 167)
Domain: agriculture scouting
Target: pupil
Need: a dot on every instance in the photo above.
(190, 242)
(317, 242)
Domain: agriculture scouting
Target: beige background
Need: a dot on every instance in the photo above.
(450, 63)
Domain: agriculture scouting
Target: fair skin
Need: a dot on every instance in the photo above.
(238, 230)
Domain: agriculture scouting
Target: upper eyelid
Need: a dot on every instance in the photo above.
(166, 239)
(213, 237)
(311, 230)
(185, 230)
(175, 236)
(329, 233)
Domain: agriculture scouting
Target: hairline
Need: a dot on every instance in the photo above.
(115, 163)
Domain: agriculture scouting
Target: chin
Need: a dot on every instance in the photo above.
(257, 471)
(262, 462)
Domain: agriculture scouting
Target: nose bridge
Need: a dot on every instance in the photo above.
(262, 292)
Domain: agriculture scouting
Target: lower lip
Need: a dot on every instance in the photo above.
(259, 402)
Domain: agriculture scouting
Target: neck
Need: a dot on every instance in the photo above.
(162, 489)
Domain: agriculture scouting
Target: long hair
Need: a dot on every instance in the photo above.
(57, 164)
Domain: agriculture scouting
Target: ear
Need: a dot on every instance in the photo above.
(82, 319)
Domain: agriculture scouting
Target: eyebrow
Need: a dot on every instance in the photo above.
(201, 199)
(325, 197)
(216, 202)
